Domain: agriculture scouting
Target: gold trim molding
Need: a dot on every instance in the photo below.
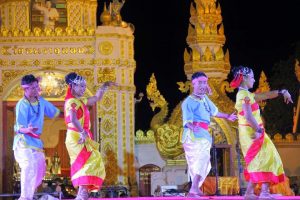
(16, 50)
(66, 62)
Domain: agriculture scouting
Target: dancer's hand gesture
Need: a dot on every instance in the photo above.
(287, 97)
(232, 117)
(107, 84)
(82, 138)
(32, 129)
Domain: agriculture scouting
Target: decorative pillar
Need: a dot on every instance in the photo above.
(89, 14)
(15, 14)
(82, 13)
(75, 13)
(114, 47)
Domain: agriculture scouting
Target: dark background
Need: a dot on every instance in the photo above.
(259, 33)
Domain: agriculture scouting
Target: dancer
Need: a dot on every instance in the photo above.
(28, 147)
(263, 163)
(197, 110)
(87, 167)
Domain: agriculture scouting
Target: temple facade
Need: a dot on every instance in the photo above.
(67, 39)
(75, 44)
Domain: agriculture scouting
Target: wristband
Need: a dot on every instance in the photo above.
(259, 130)
(282, 92)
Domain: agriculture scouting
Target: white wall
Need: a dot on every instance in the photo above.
(148, 154)
(290, 156)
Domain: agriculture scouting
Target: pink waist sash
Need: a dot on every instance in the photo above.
(201, 124)
(31, 135)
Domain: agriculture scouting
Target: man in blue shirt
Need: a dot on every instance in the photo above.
(197, 109)
(28, 147)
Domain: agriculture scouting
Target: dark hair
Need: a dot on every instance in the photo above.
(28, 79)
(69, 78)
(241, 70)
(198, 74)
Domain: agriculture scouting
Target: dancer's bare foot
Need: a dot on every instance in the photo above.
(23, 198)
(266, 196)
(194, 195)
(82, 194)
(265, 192)
(250, 197)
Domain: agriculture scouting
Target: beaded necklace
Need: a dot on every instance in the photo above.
(206, 106)
(38, 109)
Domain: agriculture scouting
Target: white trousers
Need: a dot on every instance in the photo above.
(197, 155)
(33, 168)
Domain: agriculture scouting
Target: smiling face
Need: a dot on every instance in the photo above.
(33, 90)
(79, 89)
(248, 81)
(200, 85)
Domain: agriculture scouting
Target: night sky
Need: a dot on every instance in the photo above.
(258, 34)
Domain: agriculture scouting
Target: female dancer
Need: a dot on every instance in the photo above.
(87, 168)
(263, 163)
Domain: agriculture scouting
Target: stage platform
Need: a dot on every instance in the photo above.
(201, 198)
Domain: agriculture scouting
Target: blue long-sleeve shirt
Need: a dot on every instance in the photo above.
(197, 110)
(32, 114)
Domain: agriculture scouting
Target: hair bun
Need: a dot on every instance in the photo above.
(69, 78)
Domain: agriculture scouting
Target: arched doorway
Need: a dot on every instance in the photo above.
(145, 179)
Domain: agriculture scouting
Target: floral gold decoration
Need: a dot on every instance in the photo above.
(105, 48)
(106, 74)
(144, 138)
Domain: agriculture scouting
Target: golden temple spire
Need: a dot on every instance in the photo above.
(221, 30)
(105, 16)
(191, 32)
(206, 29)
(227, 56)
(218, 11)
(193, 10)
(207, 55)
(187, 56)
(113, 16)
(200, 8)
(206, 37)
(220, 55)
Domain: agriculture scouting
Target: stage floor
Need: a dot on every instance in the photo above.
(202, 198)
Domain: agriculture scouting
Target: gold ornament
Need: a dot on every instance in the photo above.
(105, 16)
(105, 48)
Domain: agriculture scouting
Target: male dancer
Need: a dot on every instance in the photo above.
(197, 109)
(28, 147)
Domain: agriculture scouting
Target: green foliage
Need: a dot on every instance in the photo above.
(278, 115)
